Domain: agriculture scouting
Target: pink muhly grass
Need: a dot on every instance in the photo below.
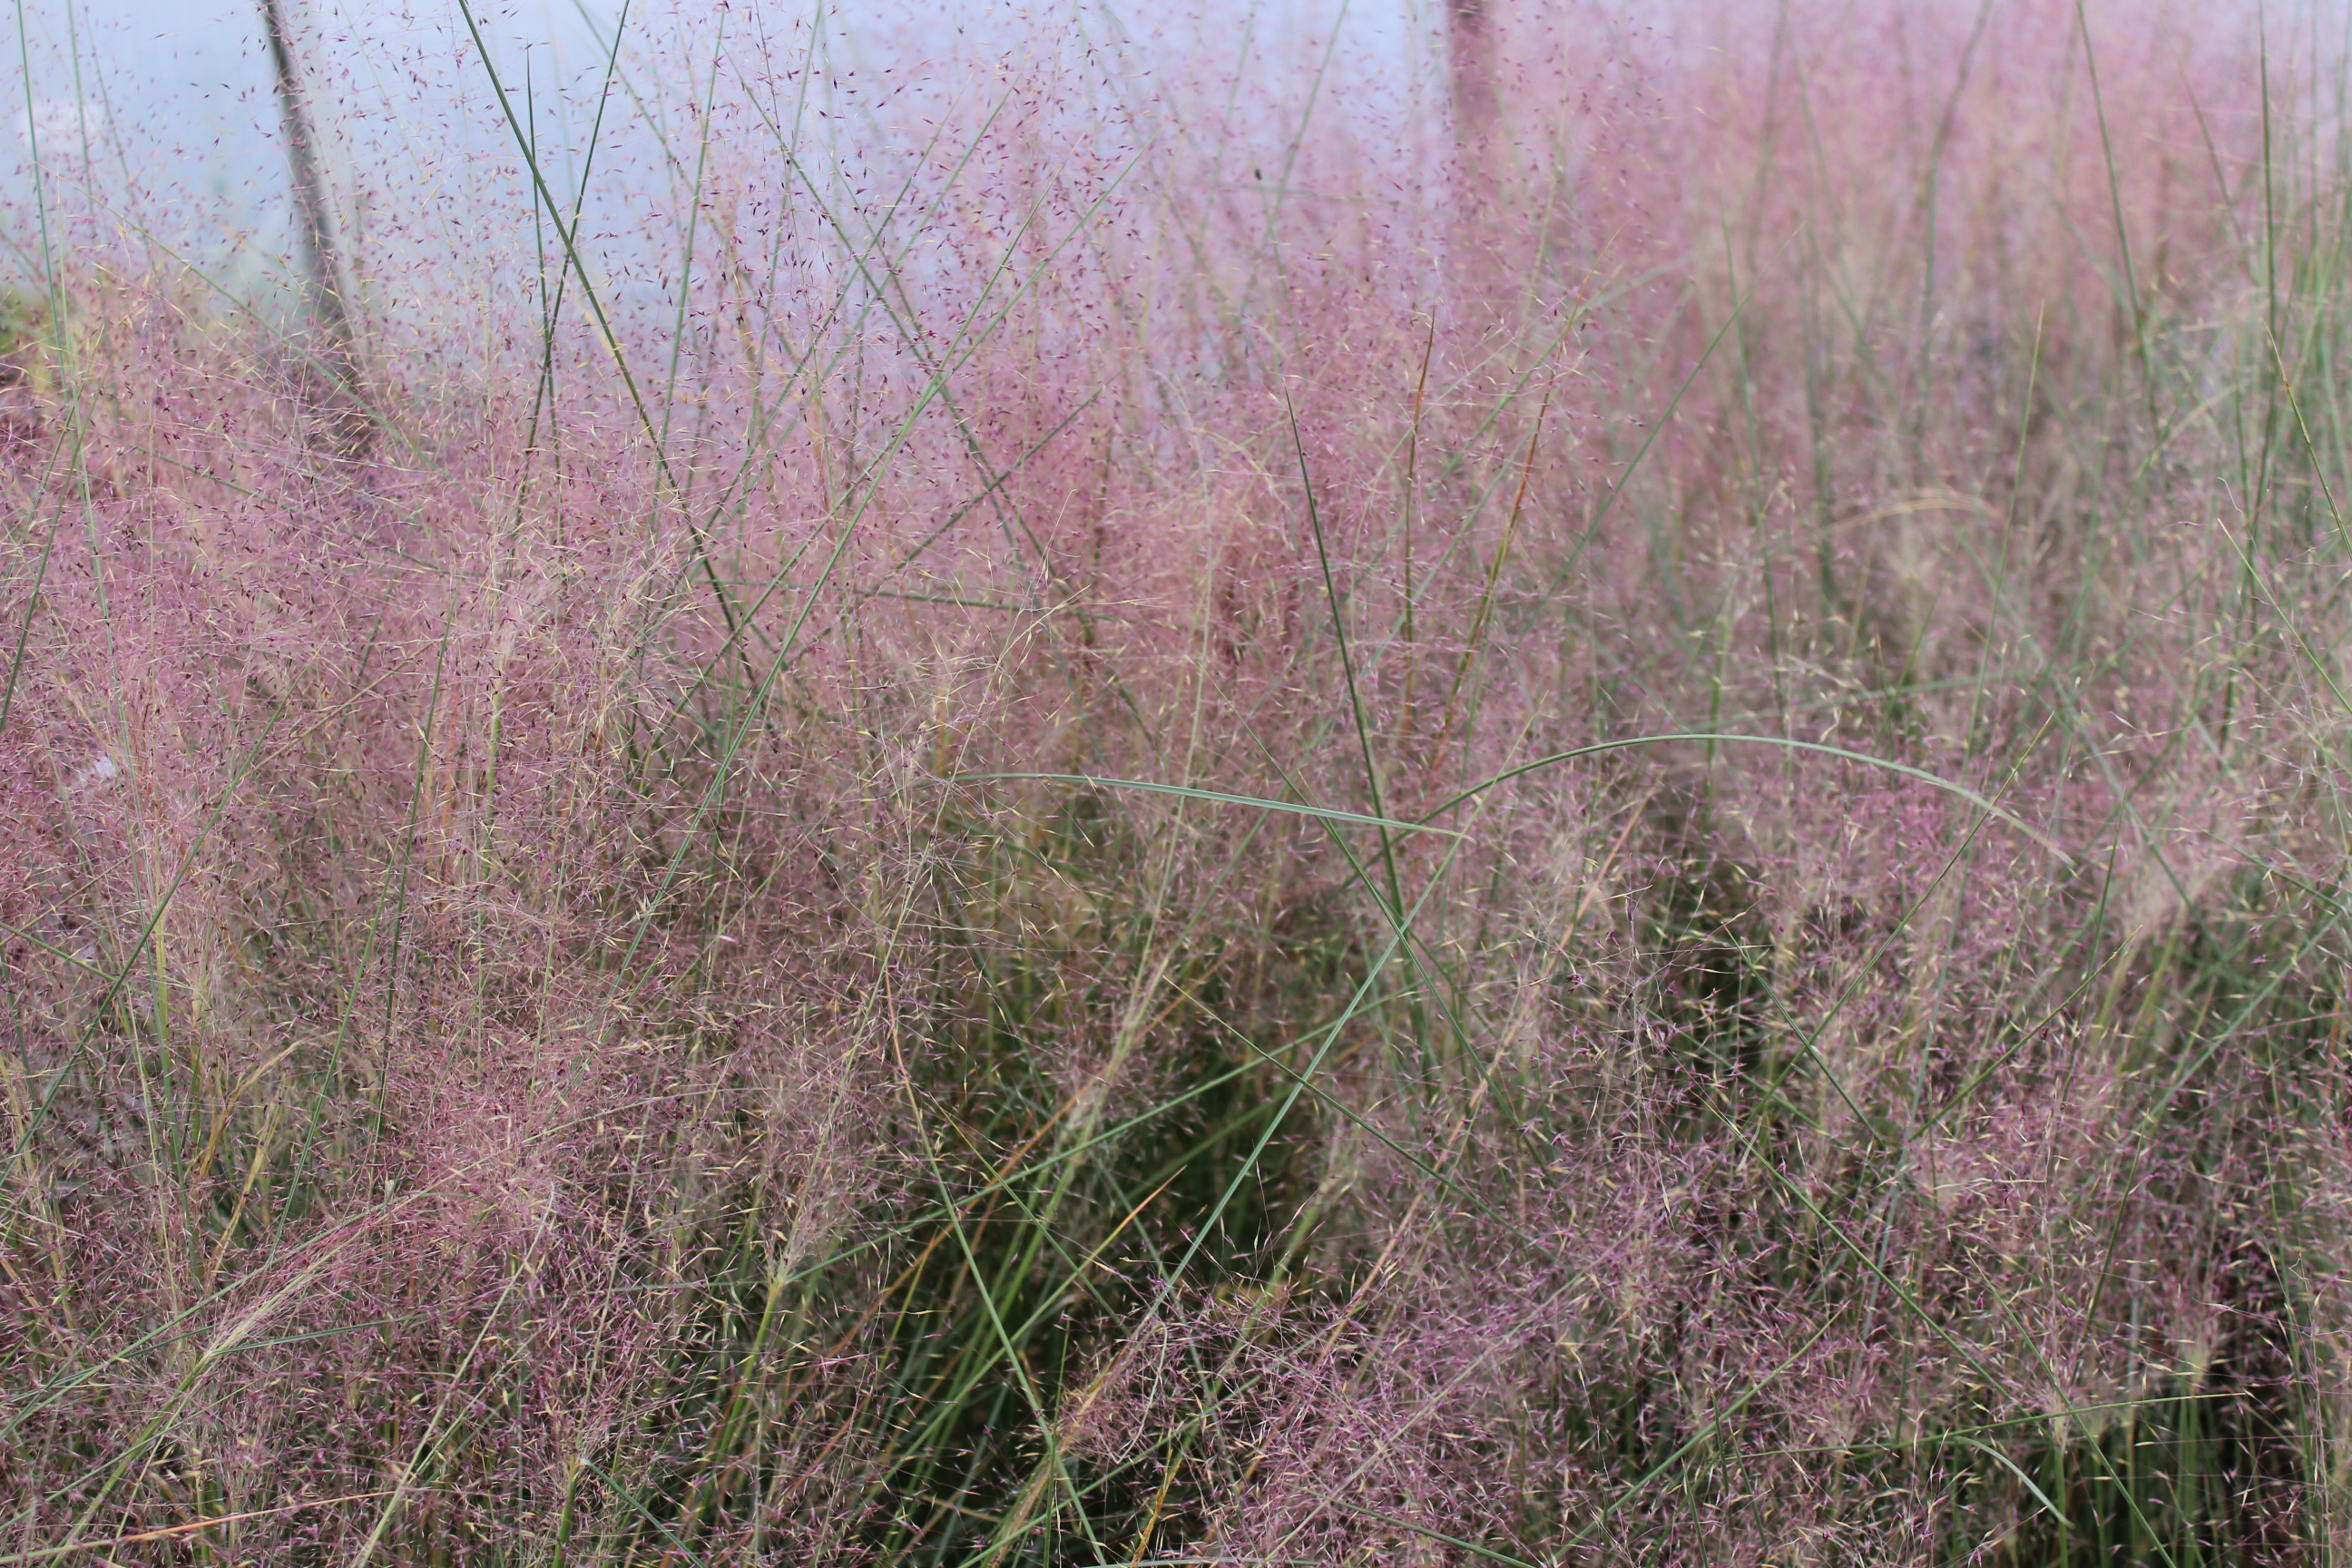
(589, 976)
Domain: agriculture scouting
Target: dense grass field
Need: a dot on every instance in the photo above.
(1105, 822)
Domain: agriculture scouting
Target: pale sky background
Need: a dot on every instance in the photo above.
(173, 101)
(158, 128)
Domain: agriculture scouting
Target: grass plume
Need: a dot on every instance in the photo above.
(1190, 797)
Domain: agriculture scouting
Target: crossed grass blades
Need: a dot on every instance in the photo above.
(1077, 809)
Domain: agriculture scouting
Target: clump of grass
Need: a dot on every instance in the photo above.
(1127, 822)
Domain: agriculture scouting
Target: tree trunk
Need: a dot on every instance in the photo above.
(1477, 145)
(1470, 36)
(331, 372)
